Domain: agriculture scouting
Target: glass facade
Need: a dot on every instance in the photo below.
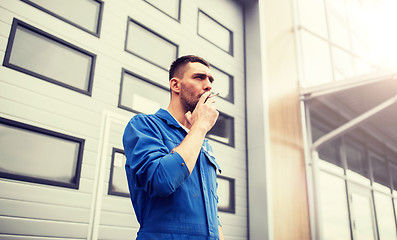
(355, 175)
(355, 186)
(343, 38)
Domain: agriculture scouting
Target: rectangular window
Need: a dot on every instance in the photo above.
(149, 45)
(385, 216)
(214, 32)
(118, 184)
(380, 171)
(357, 164)
(171, 8)
(33, 154)
(333, 207)
(84, 14)
(223, 130)
(223, 84)
(329, 151)
(41, 55)
(393, 170)
(226, 194)
(342, 63)
(315, 52)
(362, 213)
(141, 95)
(338, 23)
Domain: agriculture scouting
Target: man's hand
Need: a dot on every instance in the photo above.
(205, 114)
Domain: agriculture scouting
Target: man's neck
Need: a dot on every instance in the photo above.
(178, 112)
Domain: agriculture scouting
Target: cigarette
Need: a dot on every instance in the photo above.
(211, 95)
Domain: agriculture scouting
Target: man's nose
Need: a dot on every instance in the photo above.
(207, 85)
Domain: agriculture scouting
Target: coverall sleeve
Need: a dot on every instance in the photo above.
(150, 164)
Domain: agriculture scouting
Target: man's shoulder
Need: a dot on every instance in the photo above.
(142, 118)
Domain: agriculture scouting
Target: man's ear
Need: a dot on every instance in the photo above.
(175, 85)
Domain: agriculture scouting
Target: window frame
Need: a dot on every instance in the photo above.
(51, 133)
(232, 137)
(130, 19)
(6, 62)
(99, 23)
(125, 71)
(110, 191)
(231, 34)
(179, 10)
(232, 195)
(231, 86)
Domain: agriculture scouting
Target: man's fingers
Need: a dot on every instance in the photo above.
(204, 97)
(188, 117)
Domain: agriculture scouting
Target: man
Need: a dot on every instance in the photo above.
(171, 169)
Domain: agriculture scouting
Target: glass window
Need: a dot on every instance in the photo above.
(342, 63)
(362, 67)
(311, 14)
(362, 214)
(315, 52)
(170, 7)
(223, 130)
(84, 14)
(338, 23)
(214, 32)
(358, 17)
(393, 170)
(150, 46)
(141, 95)
(223, 84)
(385, 216)
(37, 53)
(226, 194)
(333, 207)
(38, 155)
(380, 171)
(118, 181)
(356, 163)
(329, 151)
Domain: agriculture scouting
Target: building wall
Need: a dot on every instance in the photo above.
(276, 164)
(93, 210)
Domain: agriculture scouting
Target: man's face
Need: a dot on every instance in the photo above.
(196, 80)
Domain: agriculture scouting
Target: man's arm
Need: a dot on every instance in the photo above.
(201, 120)
(150, 165)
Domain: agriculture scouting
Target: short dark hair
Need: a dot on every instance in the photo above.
(178, 64)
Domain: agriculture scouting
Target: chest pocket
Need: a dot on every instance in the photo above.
(206, 148)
